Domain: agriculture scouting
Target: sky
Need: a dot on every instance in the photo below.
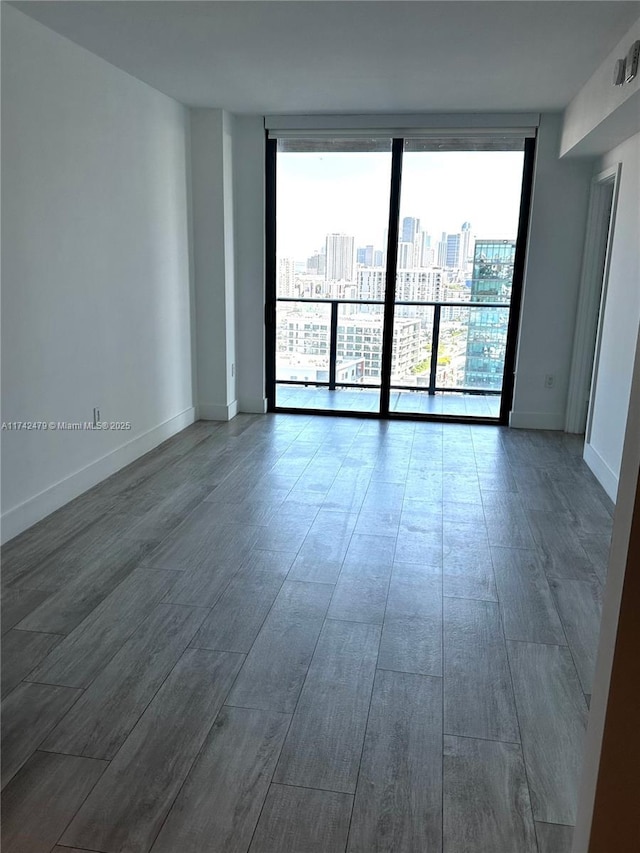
(318, 194)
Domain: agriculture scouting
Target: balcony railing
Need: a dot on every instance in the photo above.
(498, 335)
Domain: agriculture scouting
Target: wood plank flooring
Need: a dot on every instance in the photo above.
(312, 635)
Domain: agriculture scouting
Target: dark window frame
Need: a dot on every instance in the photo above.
(508, 378)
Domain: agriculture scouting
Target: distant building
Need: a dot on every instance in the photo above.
(453, 251)
(410, 229)
(426, 255)
(359, 337)
(364, 256)
(316, 263)
(340, 257)
(419, 285)
(405, 256)
(428, 258)
(291, 367)
(371, 283)
(287, 277)
(487, 329)
(412, 285)
(466, 243)
(441, 249)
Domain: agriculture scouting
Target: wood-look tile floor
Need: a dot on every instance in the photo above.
(289, 634)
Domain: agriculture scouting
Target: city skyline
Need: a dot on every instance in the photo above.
(324, 193)
(339, 259)
(469, 344)
(455, 248)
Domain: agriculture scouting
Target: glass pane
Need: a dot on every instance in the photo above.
(459, 214)
(485, 350)
(412, 337)
(332, 210)
(302, 342)
(359, 347)
(452, 348)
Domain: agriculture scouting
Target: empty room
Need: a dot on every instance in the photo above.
(320, 426)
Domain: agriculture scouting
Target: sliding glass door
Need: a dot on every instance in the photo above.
(394, 275)
(459, 212)
(332, 210)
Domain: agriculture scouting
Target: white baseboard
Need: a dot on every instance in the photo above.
(536, 420)
(217, 412)
(253, 405)
(602, 472)
(34, 509)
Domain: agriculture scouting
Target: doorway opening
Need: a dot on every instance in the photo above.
(394, 274)
(591, 301)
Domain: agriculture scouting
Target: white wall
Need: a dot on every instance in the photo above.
(248, 162)
(552, 278)
(602, 115)
(95, 267)
(620, 322)
(214, 263)
(607, 817)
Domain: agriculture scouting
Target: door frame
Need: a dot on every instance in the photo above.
(517, 285)
(397, 151)
(383, 413)
(594, 279)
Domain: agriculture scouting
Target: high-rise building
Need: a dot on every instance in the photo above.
(286, 277)
(410, 229)
(426, 255)
(316, 263)
(487, 330)
(405, 256)
(453, 251)
(466, 243)
(442, 251)
(365, 256)
(339, 265)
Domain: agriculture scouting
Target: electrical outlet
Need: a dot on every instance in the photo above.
(549, 380)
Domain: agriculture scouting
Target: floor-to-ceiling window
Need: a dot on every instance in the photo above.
(394, 273)
(332, 211)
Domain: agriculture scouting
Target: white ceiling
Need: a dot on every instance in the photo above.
(385, 56)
